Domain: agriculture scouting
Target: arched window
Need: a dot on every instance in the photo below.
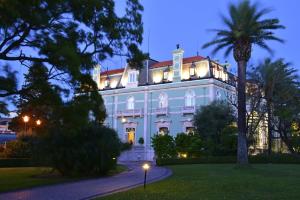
(163, 100)
(130, 103)
(190, 98)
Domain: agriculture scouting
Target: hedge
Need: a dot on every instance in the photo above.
(276, 159)
(17, 162)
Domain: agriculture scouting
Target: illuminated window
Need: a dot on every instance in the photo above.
(163, 100)
(130, 103)
(189, 130)
(166, 74)
(190, 98)
(106, 82)
(163, 130)
(192, 70)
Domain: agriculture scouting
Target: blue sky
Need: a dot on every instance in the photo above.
(167, 23)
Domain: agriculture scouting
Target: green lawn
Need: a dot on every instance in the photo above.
(208, 181)
(27, 177)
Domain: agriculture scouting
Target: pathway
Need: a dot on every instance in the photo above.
(89, 189)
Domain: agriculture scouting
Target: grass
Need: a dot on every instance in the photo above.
(28, 177)
(222, 181)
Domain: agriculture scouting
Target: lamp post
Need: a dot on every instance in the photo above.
(38, 122)
(26, 120)
(146, 168)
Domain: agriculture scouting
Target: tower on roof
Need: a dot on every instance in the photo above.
(177, 63)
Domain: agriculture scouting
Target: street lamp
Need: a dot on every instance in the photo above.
(26, 120)
(146, 167)
(38, 122)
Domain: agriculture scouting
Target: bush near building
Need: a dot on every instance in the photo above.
(90, 151)
(254, 159)
(164, 146)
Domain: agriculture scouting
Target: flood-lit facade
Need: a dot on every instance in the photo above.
(160, 98)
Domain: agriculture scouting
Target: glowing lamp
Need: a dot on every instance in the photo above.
(146, 167)
(38, 122)
(26, 119)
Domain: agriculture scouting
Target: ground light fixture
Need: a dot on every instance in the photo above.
(146, 167)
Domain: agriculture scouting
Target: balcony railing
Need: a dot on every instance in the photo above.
(188, 109)
(161, 111)
(130, 113)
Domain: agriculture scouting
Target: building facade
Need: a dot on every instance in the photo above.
(160, 98)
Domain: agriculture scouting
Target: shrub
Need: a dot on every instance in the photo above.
(164, 146)
(191, 144)
(90, 151)
(141, 141)
(259, 159)
(17, 162)
(20, 148)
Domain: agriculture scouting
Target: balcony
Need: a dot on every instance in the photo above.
(130, 113)
(188, 110)
(161, 111)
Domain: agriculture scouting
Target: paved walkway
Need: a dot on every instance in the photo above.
(89, 189)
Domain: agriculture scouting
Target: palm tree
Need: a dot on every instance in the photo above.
(245, 28)
(275, 79)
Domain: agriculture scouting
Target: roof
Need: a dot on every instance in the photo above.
(113, 71)
(157, 65)
(185, 60)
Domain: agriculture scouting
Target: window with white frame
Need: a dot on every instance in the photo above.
(163, 130)
(190, 98)
(132, 77)
(163, 100)
(130, 103)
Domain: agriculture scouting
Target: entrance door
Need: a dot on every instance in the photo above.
(130, 132)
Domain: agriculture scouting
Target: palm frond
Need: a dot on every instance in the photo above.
(216, 41)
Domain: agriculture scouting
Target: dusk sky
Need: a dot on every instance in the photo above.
(167, 23)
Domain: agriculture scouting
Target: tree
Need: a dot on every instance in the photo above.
(210, 120)
(189, 143)
(8, 84)
(88, 150)
(245, 28)
(39, 99)
(68, 37)
(164, 146)
(279, 85)
(213, 123)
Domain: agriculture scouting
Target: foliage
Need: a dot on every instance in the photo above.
(163, 145)
(191, 144)
(141, 141)
(279, 85)
(17, 162)
(67, 37)
(259, 159)
(8, 85)
(90, 150)
(210, 120)
(214, 125)
(245, 27)
(20, 148)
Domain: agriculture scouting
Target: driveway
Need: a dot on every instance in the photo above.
(89, 189)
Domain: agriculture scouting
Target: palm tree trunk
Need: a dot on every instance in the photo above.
(242, 152)
(269, 127)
